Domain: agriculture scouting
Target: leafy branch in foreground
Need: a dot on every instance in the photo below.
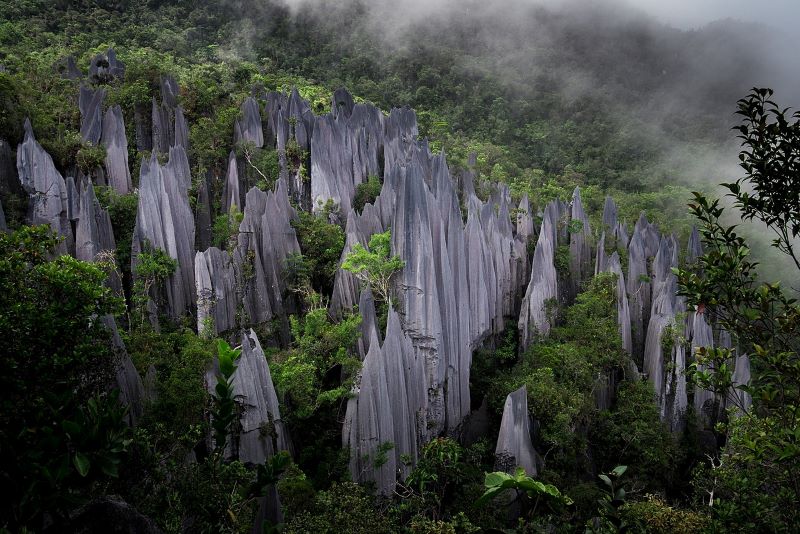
(770, 190)
(223, 414)
(498, 482)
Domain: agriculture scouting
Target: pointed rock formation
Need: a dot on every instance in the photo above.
(266, 238)
(262, 430)
(93, 233)
(543, 286)
(232, 195)
(116, 144)
(248, 126)
(127, 378)
(514, 447)
(702, 336)
(90, 103)
(215, 280)
(623, 311)
(164, 220)
(181, 130)
(389, 407)
(46, 187)
(580, 253)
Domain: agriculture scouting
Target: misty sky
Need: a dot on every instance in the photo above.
(693, 13)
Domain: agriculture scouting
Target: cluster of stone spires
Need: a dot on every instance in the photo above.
(462, 280)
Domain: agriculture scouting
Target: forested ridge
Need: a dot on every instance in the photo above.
(323, 268)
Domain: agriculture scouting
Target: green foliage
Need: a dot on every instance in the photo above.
(498, 482)
(756, 473)
(560, 372)
(771, 186)
(226, 228)
(61, 432)
(179, 361)
(153, 267)
(610, 517)
(345, 507)
(122, 212)
(224, 409)
(654, 515)
(633, 434)
(320, 349)
(366, 193)
(89, 157)
(375, 266)
(321, 245)
(440, 470)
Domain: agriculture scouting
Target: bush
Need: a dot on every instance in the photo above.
(61, 433)
(366, 193)
(345, 507)
(654, 515)
(321, 244)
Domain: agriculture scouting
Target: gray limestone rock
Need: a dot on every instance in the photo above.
(664, 353)
(695, 247)
(231, 194)
(262, 430)
(702, 336)
(163, 128)
(94, 237)
(514, 446)
(266, 238)
(169, 91)
(215, 282)
(46, 188)
(741, 377)
(543, 286)
(90, 103)
(623, 311)
(3, 225)
(164, 220)
(127, 378)
(181, 130)
(342, 103)
(105, 68)
(389, 406)
(116, 144)
(369, 322)
(580, 254)
(248, 126)
(639, 290)
(68, 69)
(73, 199)
(203, 214)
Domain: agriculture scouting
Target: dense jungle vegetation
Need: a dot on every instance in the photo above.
(556, 113)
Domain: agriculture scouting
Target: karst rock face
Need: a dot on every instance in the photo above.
(389, 406)
(262, 430)
(266, 238)
(231, 194)
(215, 281)
(116, 145)
(126, 377)
(94, 235)
(90, 103)
(702, 335)
(664, 352)
(542, 290)
(46, 188)
(580, 254)
(345, 149)
(105, 68)
(741, 377)
(164, 220)
(248, 127)
(514, 446)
